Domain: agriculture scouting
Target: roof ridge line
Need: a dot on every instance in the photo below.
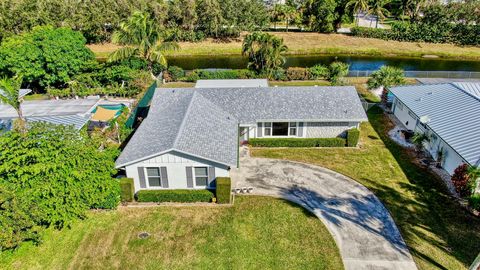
(182, 125)
(454, 84)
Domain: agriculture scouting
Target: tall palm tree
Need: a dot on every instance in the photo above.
(141, 37)
(264, 51)
(379, 10)
(358, 6)
(10, 94)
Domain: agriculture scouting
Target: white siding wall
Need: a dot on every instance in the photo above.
(175, 164)
(402, 114)
(451, 159)
(328, 129)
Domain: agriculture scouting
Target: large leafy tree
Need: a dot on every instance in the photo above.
(46, 56)
(59, 171)
(210, 17)
(320, 15)
(264, 52)
(141, 37)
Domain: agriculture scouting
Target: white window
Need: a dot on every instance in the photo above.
(293, 129)
(400, 105)
(268, 128)
(280, 129)
(154, 177)
(201, 176)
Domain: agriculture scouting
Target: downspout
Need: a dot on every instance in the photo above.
(238, 145)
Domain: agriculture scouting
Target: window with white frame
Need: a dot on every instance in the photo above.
(154, 177)
(280, 129)
(400, 105)
(292, 129)
(268, 129)
(201, 176)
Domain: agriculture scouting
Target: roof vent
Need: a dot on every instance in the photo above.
(425, 119)
(418, 99)
(429, 93)
(345, 111)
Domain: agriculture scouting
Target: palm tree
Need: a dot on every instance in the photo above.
(385, 78)
(473, 173)
(264, 51)
(10, 94)
(290, 14)
(142, 38)
(379, 10)
(358, 6)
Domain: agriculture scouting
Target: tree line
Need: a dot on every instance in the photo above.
(189, 20)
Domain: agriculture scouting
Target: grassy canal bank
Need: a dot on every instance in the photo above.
(328, 44)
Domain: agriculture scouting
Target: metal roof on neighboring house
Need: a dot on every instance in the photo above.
(22, 92)
(204, 122)
(454, 115)
(77, 121)
(50, 107)
(231, 83)
(471, 88)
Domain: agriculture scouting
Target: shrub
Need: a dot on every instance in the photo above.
(460, 180)
(127, 190)
(353, 135)
(336, 72)
(16, 220)
(317, 72)
(297, 142)
(221, 74)
(174, 195)
(110, 195)
(474, 201)
(175, 73)
(224, 189)
(297, 73)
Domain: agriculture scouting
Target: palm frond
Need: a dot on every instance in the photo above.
(122, 54)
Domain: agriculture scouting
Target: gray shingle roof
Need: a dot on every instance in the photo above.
(183, 120)
(250, 105)
(454, 115)
(204, 122)
(231, 83)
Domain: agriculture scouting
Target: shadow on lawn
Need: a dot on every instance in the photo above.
(431, 209)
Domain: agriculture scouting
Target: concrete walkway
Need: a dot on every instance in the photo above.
(362, 227)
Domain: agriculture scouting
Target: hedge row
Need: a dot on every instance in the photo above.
(224, 189)
(175, 195)
(353, 135)
(127, 190)
(316, 72)
(298, 142)
(406, 31)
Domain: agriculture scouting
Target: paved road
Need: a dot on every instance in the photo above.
(361, 226)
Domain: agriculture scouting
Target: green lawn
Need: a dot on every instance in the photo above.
(316, 43)
(256, 233)
(439, 233)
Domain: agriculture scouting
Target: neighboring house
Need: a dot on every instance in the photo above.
(191, 136)
(76, 112)
(449, 114)
(231, 83)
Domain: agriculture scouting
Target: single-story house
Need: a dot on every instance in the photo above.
(449, 114)
(191, 136)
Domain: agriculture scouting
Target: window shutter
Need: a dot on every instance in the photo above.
(141, 177)
(211, 177)
(189, 177)
(163, 173)
(300, 129)
(259, 129)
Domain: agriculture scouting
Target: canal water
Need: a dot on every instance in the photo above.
(356, 62)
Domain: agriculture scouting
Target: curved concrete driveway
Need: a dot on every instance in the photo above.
(361, 226)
